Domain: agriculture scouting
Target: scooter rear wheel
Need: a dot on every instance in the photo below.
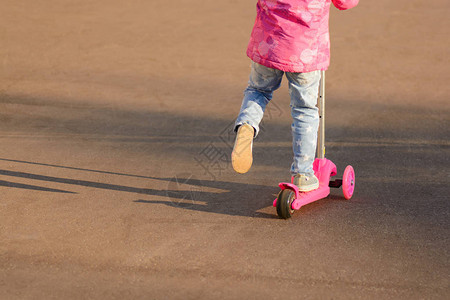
(284, 203)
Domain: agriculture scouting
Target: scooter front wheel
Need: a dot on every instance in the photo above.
(284, 203)
(348, 182)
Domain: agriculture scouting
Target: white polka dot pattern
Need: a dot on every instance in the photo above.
(292, 35)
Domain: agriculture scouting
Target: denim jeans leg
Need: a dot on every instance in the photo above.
(262, 83)
(304, 89)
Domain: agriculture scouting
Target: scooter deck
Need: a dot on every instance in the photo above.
(323, 169)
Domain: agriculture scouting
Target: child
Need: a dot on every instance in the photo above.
(289, 37)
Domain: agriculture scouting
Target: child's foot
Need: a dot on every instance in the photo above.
(241, 157)
(306, 183)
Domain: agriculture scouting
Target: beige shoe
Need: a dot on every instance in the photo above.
(241, 157)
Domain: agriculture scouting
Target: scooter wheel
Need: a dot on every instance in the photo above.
(284, 203)
(348, 182)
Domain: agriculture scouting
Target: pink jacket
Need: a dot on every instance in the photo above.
(292, 35)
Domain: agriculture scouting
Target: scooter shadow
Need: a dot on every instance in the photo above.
(236, 199)
(186, 192)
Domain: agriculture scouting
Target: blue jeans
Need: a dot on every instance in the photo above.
(303, 90)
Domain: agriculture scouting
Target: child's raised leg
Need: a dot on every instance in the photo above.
(262, 83)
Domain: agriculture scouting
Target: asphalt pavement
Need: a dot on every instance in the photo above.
(115, 140)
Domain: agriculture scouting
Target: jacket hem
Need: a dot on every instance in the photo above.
(287, 67)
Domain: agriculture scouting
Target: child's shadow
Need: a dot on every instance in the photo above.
(183, 191)
(219, 197)
(228, 198)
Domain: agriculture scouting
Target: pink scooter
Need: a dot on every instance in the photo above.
(290, 198)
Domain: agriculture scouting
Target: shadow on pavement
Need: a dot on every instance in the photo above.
(238, 199)
(31, 187)
(230, 202)
(400, 153)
